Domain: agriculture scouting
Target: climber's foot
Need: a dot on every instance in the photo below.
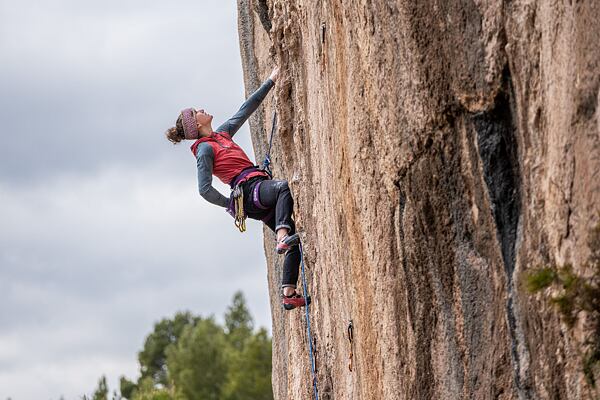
(295, 301)
(287, 243)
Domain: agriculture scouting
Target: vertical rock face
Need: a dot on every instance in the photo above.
(437, 150)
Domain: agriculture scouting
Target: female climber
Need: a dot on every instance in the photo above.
(264, 198)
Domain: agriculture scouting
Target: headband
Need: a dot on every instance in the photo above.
(190, 127)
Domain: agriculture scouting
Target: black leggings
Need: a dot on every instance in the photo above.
(278, 206)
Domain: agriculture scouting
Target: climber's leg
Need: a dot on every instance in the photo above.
(291, 263)
(274, 193)
(276, 196)
(291, 267)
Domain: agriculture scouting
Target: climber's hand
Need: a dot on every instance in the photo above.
(274, 74)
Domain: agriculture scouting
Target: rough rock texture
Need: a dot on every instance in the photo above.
(436, 150)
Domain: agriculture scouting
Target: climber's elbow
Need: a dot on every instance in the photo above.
(204, 190)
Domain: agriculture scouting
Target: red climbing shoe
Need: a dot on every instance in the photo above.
(295, 301)
(287, 243)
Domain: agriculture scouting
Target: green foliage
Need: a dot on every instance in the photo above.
(189, 357)
(575, 294)
(101, 392)
(238, 322)
(591, 364)
(127, 387)
(540, 279)
(250, 370)
(145, 390)
(153, 356)
(197, 363)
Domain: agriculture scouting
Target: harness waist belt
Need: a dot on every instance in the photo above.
(242, 176)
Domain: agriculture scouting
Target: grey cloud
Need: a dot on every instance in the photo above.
(94, 282)
(85, 88)
(118, 242)
(103, 231)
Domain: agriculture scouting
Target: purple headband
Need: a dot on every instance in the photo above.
(190, 128)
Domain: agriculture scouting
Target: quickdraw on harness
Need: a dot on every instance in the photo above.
(236, 201)
(350, 338)
(236, 205)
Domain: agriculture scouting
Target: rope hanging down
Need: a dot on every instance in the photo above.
(310, 346)
(267, 163)
(267, 168)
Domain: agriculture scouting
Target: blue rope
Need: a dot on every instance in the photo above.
(267, 162)
(266, 167)
(310, 349)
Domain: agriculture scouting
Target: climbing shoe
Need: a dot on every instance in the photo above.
(295, 301)
(287, 243)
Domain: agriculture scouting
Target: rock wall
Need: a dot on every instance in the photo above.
(436, 151)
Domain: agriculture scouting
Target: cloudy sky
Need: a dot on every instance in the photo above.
(103, 232)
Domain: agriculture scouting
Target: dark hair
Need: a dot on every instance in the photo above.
(175, 134)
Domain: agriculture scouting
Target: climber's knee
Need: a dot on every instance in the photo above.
(282, 186)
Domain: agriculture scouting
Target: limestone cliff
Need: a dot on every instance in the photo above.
(436, 150)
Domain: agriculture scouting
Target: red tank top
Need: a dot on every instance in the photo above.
(229, 158)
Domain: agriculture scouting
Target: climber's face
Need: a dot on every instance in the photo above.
(203, 118)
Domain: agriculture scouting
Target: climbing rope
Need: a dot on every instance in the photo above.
(267, 168)
(267, 163)
(310, 342)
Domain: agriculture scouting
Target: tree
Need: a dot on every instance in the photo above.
(166, 332)
(146, 390)
(127, 387)
(249, 374)
(101, 392)
(238, 322)
(197, 364)
(189, 357)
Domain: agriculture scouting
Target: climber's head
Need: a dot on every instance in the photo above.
(203, 119)
(191, 124)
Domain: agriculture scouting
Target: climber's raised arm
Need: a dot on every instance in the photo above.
(205, 160)
(233, 124)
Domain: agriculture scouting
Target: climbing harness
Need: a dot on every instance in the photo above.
(236, 203)
(310, 341)
(350, 338)
(236, 200)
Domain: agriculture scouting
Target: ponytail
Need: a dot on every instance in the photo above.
(175, 134)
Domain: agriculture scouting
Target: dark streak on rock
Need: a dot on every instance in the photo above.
(498, 152)
(586, 104)
(262, 9)
(499, 157)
